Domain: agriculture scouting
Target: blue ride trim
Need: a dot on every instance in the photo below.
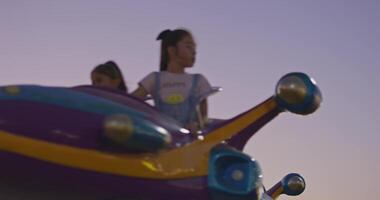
(309, 99)
(67, 98)
(232, 173)
(286, 188)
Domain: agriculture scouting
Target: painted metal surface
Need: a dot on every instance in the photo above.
(103, 141)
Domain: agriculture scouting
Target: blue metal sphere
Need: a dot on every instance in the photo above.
(293, 184)
(298, 93)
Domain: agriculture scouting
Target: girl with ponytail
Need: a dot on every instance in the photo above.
(176, 93)
(108, 75)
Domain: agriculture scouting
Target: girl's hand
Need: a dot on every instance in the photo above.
(193, 127)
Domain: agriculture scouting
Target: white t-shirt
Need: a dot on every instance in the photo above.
(174, 87)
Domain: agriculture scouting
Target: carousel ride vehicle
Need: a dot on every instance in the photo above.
(102, 141)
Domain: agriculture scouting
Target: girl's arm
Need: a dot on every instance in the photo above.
(204, 112)
(140, 93)
(201, 111)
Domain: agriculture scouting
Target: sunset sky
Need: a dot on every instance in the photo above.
(244, 46)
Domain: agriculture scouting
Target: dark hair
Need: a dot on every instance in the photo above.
(112, 70)
(169, 38)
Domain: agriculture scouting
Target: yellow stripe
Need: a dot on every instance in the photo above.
(188, 161)
(241, 123)
(277, 192)
(196, 154)
(72, 156)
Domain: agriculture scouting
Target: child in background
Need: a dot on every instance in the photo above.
(176, 93)
(108, 75)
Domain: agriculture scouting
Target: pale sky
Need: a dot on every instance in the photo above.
(244, 46)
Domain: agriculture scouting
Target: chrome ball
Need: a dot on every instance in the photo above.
(118, 128)
(293, 184)
(298, 93)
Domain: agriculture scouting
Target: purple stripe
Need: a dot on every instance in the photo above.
(62, 125)
(51, 123)
(83, 181)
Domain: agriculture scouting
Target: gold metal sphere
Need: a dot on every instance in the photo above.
(118, 127)
(292, 90)
(12, 90)
(296, 184)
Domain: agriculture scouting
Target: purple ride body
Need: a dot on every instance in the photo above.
(70, 127)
